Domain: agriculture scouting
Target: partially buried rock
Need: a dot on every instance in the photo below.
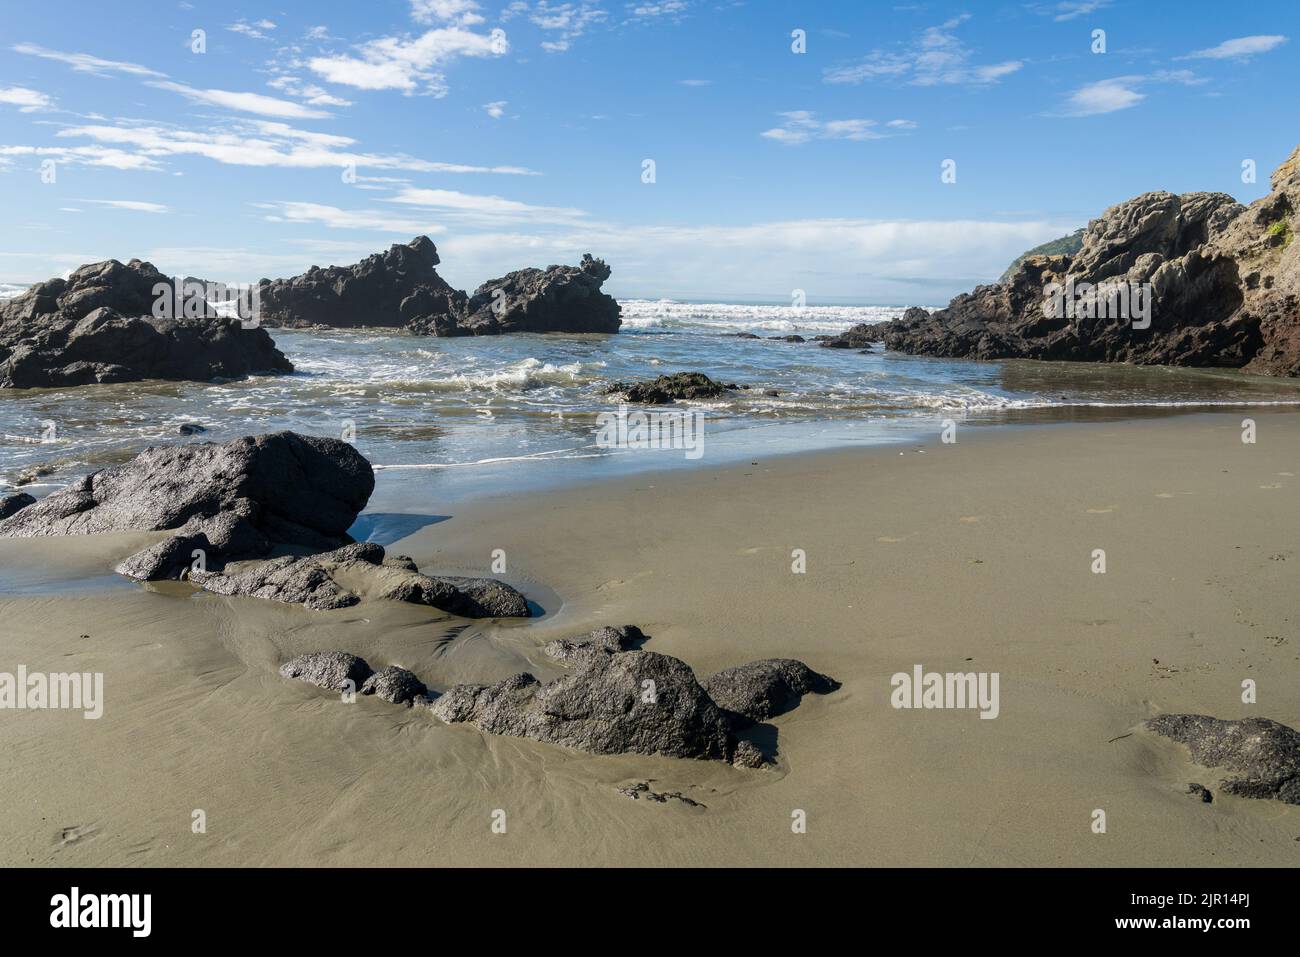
(641, 790)
(634, 701)
(332, 670)
(1264, 753)
(10, 504)
(394, 684)
(1201, 791)
(763, 689)
(466, 597)
(297, 581)
(670, 388)
(603, 641)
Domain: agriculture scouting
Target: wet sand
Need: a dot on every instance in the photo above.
(975, 556)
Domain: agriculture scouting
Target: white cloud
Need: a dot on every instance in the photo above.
(255, 30)
(936, 57)
(1239, 49)
(243, 102)
(391, 63)
(83, 156)
(469, 207)
(248, 143)
(695, 82)
(496, 109)
(800, 126)
(27, 101)
(1121, 92)
(1072, 9)
(567, 20)
(132, 204)
(463, 12)
(335, 218)
(653, 11)
(85, 63)
(309, 92)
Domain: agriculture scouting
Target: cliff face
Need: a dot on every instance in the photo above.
(401, 288)
(1221, 282)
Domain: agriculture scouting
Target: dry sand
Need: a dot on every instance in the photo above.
(968, 557)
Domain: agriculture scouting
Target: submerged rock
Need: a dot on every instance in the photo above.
(860, 336)
(394, 684)
(332, 670)
(290, 579)
(670, 388)
(763, 689)
(98, 326)
(641, 790)
(1264, 754)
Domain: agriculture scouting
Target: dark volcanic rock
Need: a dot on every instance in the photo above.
(12, 503)
(401, 288)
(603, 641)
(670, 388)
(466, 597)
(290, 579)
(606, 707)
(555, 299)
(170, 558)
(860, 336)
(392, 288)
(1264, 754)
(763, 689)
(394, 684)
(1224, 279)
(328, 669)
(98, 326)
(286, 488)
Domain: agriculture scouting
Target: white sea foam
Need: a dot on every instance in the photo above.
(732, 317)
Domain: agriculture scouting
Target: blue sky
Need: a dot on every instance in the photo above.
(516, 134)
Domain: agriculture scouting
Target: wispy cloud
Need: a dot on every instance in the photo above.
(257, 30)
(131, 204)
(936, 57)
(27, 101)
(1242, 48)
(243, 102)
(332, 217)
(85, 63)
(496, 109)
(464, 12)
(801, 126)
(565, 22)
(485, 209)
(1070, 9)
(1121, 92)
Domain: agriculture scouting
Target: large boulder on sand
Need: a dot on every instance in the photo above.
(1264, 754)
(98, 326)
(287, 488)
(332, 670)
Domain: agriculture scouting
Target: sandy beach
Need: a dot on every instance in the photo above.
(972, 556)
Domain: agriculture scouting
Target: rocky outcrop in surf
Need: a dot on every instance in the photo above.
(1222, 281)
(99, 326)
(401, 288)
(671, 388)
(1263, 755)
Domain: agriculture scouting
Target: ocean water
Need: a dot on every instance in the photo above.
(446, 419)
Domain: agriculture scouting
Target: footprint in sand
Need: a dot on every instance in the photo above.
(76, 833)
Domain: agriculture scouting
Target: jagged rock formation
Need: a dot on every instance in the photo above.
(98, 326)
(860, 336)
(1264, 754)
(1065, 245)
(671, 388)
(401, 288)
(1224, 281)
(395, 685)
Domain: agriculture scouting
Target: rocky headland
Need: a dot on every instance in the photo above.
(1223, 281)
